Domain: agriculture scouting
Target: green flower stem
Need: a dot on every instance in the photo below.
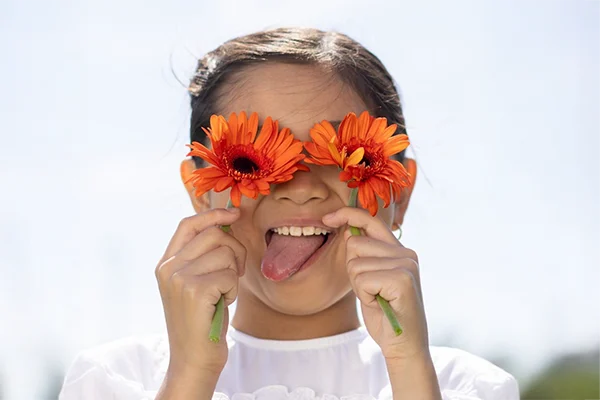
(383, 303)
(389, 313)
(216, 326)
(227, 228)
(217, 323)
(355, 231)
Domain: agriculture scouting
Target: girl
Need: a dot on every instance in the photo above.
(296, 332)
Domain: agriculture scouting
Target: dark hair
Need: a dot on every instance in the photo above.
(333, 51)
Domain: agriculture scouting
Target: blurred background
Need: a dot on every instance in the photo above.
(502, 105)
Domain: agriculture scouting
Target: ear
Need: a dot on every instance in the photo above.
(402, 204)
(201, 203)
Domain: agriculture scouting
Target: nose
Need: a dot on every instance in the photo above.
(303, 188)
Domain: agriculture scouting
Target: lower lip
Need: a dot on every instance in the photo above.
(315, 256)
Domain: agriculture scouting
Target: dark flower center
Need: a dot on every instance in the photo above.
(244, 165)
(366, 161)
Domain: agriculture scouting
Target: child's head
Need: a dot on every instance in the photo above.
(298, 77)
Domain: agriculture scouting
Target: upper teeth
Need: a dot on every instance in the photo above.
(300, 230)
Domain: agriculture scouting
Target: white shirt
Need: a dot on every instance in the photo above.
(348, 366)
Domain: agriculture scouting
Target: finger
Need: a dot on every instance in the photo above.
(210, 239)
(206, 290)
(189, 227)
(373, 226)
(217, 259)
(365, 246)
(397, 286)
(361, 265)
(226, 283)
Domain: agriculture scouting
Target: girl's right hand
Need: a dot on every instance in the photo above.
(201, 263)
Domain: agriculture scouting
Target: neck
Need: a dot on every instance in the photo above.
(255, 318)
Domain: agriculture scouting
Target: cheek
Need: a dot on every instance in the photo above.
(246, 232)
(330, 175)
(338, 262)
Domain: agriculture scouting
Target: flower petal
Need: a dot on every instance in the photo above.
(236, 195)
(367, 199)
(201, 187)
(248, 192)
(381, 188)
(265, 134)
(345, 176)
(276, 156)
(253, 126)
(377, 125)
(233, 127)
(385, 134)
(364, 121)
(262, 185)
(223, 183)
(348, 128)
(395, 145)
(355, 157)
(335, 154)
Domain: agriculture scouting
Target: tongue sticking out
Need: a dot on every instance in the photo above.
(286, 254)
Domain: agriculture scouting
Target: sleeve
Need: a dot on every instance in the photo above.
(464, 376)
(482, 389)
(477, 390)
(90, 380)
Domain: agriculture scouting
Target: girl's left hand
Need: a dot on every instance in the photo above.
(378, 263)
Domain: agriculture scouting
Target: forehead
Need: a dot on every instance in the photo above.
(297, 95)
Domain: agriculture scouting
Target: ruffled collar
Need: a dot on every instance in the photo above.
(280, 392)
(354, 335)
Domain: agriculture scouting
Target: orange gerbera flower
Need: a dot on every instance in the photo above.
(362, 147)
(243, 161)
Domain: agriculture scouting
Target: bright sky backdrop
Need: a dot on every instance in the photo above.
(501, 100)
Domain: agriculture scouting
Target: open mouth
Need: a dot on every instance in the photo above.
(270, 234)
(290, 250)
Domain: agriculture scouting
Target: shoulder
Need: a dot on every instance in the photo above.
(134, 363)
(466, 373)
(128, 354)
(460, 374)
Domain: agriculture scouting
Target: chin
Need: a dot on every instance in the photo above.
(304, 294)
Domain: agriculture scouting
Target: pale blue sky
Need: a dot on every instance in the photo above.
(501, 101)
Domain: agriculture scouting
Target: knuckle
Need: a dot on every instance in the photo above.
(405, 277)
(226, 253)
(360, 279)
(223, 277)
(364, 297)
(158, 272)
(353, 268)
(410, 253)
(230, 275)
(161, 270)
(184, 223)
(231, 295)
(177, 280)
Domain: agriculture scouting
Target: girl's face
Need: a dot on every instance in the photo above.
(298, 96)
